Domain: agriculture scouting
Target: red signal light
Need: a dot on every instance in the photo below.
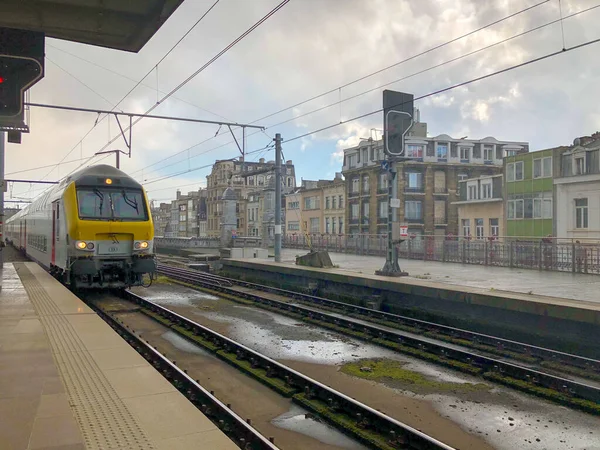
(1, 80)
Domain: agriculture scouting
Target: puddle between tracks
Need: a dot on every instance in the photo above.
(295, 420)
(183, 344)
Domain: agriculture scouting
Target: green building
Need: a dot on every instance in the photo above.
(529, 193)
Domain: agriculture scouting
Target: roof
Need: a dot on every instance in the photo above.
(119, 24)
(91, 176)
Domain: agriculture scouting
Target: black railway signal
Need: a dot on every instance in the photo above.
(397, 120)
(21, 66)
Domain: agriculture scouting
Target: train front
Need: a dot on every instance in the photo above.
(110, 230)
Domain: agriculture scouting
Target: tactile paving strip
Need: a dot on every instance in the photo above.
(103, 418)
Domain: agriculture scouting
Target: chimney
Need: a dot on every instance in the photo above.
(178, 194)
(261, 160)
(288, 162)
(338, 175)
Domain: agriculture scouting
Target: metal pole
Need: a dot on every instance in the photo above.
(277, 197)
(2, 183)
(118, 153)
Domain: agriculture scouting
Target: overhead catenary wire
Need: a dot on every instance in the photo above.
(371, 74)
(502, 41)
(98, 120)
(204, 67)
(454, 86)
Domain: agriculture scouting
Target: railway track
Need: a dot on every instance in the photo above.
(234, 426)
(356, 419)
(459, 349)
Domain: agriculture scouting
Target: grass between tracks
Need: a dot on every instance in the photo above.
(524, 386)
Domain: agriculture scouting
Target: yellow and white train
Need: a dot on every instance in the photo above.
(92, 230)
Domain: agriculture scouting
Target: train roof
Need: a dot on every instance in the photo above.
(94, 175)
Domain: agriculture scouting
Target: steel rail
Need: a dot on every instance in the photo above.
(235, 427)
(398, 434)
(484, 364)
(479, 338)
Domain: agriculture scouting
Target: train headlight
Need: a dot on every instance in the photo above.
(82, 245)
(141, 245)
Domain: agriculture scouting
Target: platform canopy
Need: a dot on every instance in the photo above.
(120, 24)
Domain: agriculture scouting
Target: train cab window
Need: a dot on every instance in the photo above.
(111, 204)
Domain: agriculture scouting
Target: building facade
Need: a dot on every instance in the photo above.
(427, 182)
(161, 217)
(317, 207)
(578, 190)
(183, 217)
(480, 207)
(529, 193)
(244, 177)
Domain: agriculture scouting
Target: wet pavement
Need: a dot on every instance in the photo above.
(504, 418)
(553, 284)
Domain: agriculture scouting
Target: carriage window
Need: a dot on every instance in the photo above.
(111, 204)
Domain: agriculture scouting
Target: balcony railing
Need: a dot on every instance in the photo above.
(382, 191)
(410, 189)
(354, 221)
(413, 219)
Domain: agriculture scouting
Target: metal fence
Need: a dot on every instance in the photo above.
(553, 254)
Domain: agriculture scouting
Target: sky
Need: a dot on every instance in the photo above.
(307, 48)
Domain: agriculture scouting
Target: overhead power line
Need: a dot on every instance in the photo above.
(206, 65)
(150, 71)
(454, 86)
(437, 92)
(371, 74)
(384, 85)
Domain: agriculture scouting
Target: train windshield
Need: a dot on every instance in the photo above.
(111, 204)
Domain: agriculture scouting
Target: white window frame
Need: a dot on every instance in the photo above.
(488, 149)
(510, 172)
(486, 190)
(465, 153)
(355, 211)
(411, 149)
(517, 163)
(479, 229)
(541, 162)
(437, 150)
(576, 165)
(494, 229)
(383, 209)
(466, 227)
(582, 214)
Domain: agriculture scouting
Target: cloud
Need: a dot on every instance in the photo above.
(301, 52)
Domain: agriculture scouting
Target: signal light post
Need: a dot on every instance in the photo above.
(397, 121)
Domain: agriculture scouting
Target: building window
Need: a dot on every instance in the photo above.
(415, 180)
(464, 153)
(581, 213)
(311, 203)
(365, 186)
(414, 151)
(498, 152)
(477, 152)
(293, 205)
(542, 167)
(352, 160)
(289, 181)
(326, 202)
(413, 210)
(314, 224)
(494, 227)
(383, 209)
(182, 218)
(355, 185)
(341, 224)
(479, 228)
(341, 202)
(442, 151)
(430, 150)
(466, 227)
(333, 199)
(579, 165)
(514, 171)
(327, 225)
(181, 207)
(383, 181)
(462, 176)
(354, 211)
(472, 192)
(547, 208)
(486, 190)
(333, 225)
(453, 151)
(488, 152)
(365, 210)
(515, 209)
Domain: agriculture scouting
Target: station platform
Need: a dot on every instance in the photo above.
(69, 381)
